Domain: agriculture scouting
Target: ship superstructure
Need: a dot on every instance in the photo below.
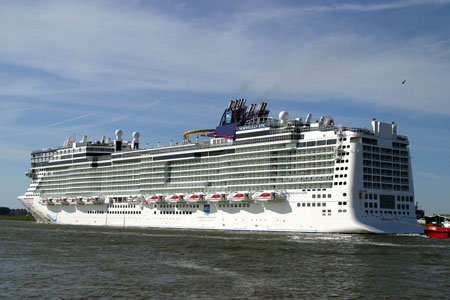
(254, 173)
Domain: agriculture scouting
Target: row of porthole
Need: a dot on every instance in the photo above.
(340, 183)
(311, 204)
(235, 205)
(179, 206)
(124, 212)
(163, 212)
(113, 212)
(387, 212)
(342, 161)
(319, 195)
(341, 175)
(122, 205)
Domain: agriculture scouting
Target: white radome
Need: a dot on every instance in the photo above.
(283, 116)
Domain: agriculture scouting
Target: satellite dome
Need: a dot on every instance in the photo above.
(283, 116)
(119, 133)
(136, 135)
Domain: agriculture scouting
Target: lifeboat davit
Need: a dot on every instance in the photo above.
(45, 201)
(195, 197)
(216, 197)
(155, 198)
(134, 200)
(75, 201)
(239, 197)
(438, 232)
(175, 198)
(266, 196)
(90, 200)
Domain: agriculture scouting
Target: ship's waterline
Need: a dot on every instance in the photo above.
(256, 173)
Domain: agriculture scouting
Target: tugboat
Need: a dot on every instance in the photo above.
(438, 231)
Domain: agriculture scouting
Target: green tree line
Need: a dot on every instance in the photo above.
(6, 211)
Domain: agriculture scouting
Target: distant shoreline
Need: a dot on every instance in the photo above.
(18, 218)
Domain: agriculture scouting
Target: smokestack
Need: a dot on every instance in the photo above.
(308, 118)
(84, 140)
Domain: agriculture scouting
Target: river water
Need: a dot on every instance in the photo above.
(72, 262)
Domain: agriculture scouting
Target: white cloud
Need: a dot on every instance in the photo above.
(428, 174)
(101, 47)
(14, 153)
(67, 121)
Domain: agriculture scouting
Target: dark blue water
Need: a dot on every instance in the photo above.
(67, 262)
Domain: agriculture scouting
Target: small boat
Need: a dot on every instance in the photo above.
(155, 198)
(266, 196)
(175, 198)
(59, 201)
(438, 231)
(65, 201)
(216, 197)
(239, 197)
(195, 197)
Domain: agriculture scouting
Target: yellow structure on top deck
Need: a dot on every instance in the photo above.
(185, 135)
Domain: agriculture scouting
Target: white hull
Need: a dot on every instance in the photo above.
(252, 216)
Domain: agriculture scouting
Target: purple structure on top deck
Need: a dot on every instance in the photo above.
(237, 115)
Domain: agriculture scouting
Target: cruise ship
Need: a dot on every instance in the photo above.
(252, 172)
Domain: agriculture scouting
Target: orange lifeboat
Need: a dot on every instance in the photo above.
(266, 196)
(75, 201)
(155, 198)
(196, 197)
(175, 198)
(216, 197)
(239, 197)
(90, 200)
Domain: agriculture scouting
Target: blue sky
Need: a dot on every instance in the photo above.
(164, 67)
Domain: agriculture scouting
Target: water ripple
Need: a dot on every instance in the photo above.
(76, 262)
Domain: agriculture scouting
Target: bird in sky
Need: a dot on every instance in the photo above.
(403, 81)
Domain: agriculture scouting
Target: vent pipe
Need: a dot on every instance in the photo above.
(118, 141)
(135, 142)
